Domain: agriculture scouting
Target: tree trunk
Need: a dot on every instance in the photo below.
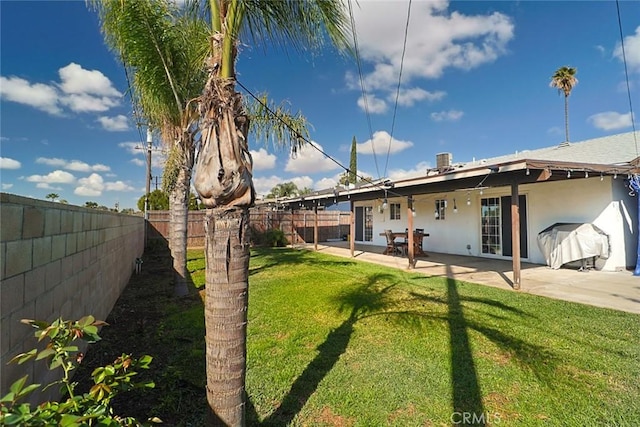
(227, 290)
(178, 225)
(223, 179)
(566, 117)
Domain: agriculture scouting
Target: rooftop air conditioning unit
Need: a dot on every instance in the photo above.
(443, 161)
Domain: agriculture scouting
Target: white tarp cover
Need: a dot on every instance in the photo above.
(562, 243)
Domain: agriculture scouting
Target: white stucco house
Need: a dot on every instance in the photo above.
(467, 208)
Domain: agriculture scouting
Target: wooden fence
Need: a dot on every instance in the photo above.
(297, 227)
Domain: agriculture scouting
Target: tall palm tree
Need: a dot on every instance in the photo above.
(223, 175)
(564, 79)
(155, 40)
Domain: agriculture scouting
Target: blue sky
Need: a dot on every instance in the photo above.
(475, 83)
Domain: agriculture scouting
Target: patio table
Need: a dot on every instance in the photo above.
(417, 241)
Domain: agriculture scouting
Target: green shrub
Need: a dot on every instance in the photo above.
(92, 408)
(269, 238)
(275, 238)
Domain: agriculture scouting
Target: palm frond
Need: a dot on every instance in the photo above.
(276, 124)
(163, 49)
(303, 25)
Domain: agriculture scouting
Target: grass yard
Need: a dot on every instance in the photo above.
(336, 342)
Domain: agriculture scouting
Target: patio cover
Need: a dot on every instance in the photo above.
(565, 242)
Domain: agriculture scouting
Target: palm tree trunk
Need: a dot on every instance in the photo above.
(223, 180)
(227, 290)
(566, 117)
(178, 225)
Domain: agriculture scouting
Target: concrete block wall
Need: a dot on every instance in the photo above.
(57, 261)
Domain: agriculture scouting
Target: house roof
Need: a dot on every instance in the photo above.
(608, 150)
(614, 154)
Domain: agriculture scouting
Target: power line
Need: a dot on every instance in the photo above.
(362, 86)
(381, 186)
(626, 74)
(300, 136)
(395, 107)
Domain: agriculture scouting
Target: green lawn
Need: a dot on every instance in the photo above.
(333, 341)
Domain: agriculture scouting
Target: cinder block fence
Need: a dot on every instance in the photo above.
(56, 261)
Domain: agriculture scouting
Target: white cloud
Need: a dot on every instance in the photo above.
(373, 105)
(449, 116)
(262, 160)
(80, 90)
(302, 182)
(310, 160)
(90, 186)
(263, 185)
(7, 163)
(47, 186)
(408, 97)
(131, 147)
(72, 165)
(438, 39)
(57, 177)
(419, 170)
(158, 158)
(631, 50)
(86, 103)
(6, 186)
(383, 143)
(326, 183)
(610, 120)
(37, 95)
(77, 80)
(114, 124)
(118, 186)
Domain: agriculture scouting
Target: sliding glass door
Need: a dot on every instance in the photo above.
(496, 233)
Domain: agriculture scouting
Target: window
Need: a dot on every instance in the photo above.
(441, 207)
(490, 215)
(394, 211)
(368, 223)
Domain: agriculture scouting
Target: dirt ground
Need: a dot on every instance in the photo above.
(135, 327)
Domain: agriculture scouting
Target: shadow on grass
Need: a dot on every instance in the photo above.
(270, 257)
(539, 360)
(466, 394)
(360, 301)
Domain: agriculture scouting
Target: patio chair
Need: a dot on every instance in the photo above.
(418, 237)
(393, 247)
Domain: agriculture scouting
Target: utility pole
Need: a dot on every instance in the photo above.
(146, 198)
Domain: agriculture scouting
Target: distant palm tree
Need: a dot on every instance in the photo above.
(564, 79)
(161, 47)
(53, 196)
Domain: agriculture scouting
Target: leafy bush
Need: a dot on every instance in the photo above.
(275, 238)
(270, 238)
(92, 408)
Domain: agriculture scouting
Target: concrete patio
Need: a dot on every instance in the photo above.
(618, 290)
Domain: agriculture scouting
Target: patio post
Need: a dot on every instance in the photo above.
(410, 251)
(515, 234)
(315, 226)
(352, 230)
(293, 229)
